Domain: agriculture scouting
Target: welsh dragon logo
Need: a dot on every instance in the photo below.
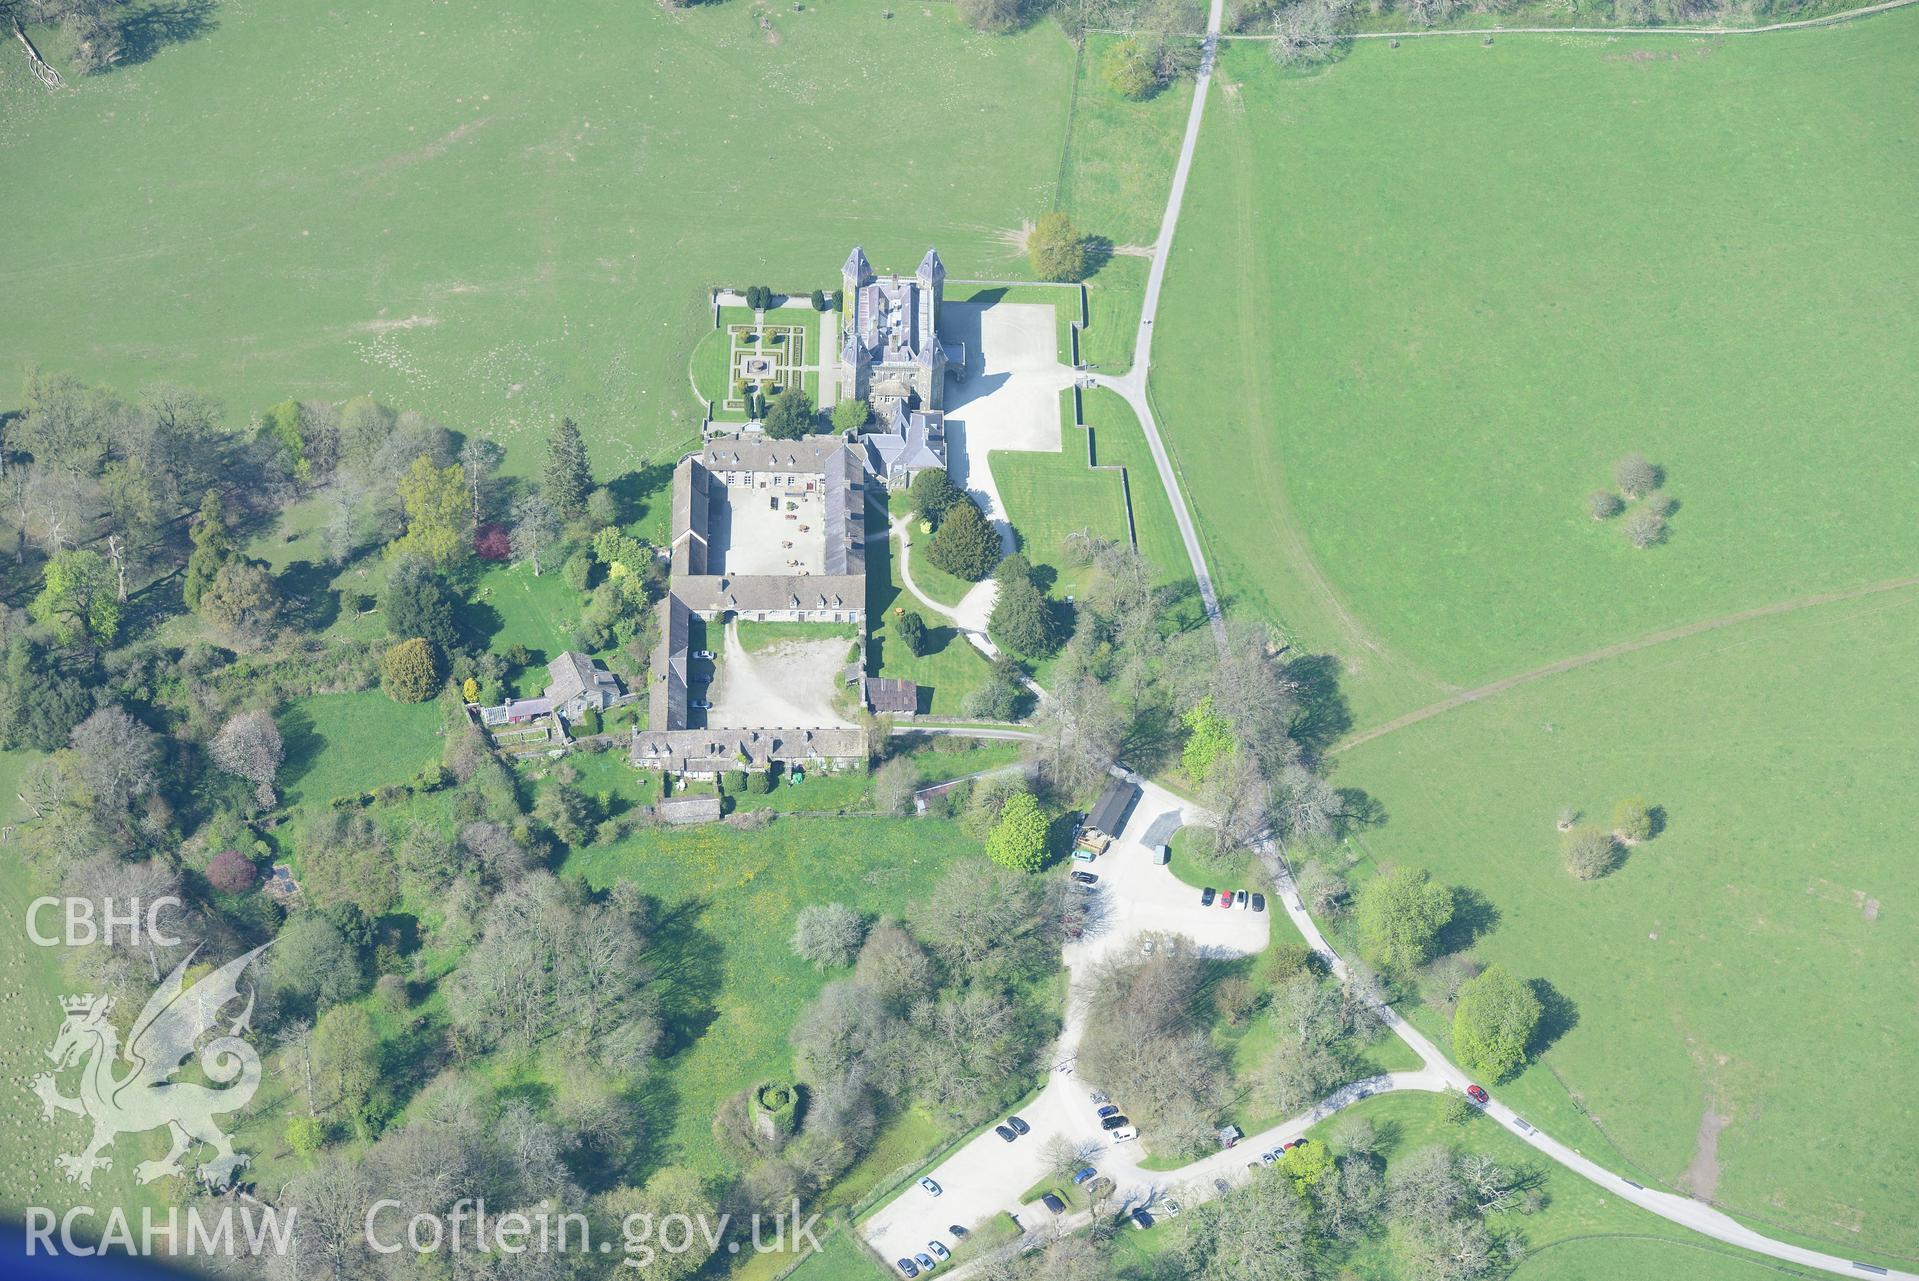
(162, 1040)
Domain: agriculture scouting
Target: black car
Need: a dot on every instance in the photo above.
(1019, 1126)
(1053, 1203)
(1113, 1122)
(1141, 1219)
(906, 1267)
(1259, 902)
(1086, 878)
(1207, 895)
(1005, 1133)
(956, 1230)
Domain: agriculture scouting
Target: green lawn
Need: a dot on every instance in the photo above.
(1748, 961)
(950, 670)
(727, 904)
(498, 222)
(755, 637)
(1421, 302)
(339, 744)
(1119, 162)
(840, 1258)
(1051, 497)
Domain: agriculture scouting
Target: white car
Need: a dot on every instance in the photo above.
(707, 654)
(932, 1188)
(940, 1252)
(1125, 1134)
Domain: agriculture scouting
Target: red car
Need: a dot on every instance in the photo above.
(1476, 1094)
(1226, 899)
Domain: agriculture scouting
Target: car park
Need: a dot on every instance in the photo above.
(1085, 1173)
(940, 1252)
(907, 1267)
(1207, 895)
(1085, 878)
(1141, 1219)
(1053, 1203)
(1125, 1134)
(1112, 1122)
(1477, 1095)
(1259, 903)
(1019, 1126)
(932, 1188)
(1005, 1132)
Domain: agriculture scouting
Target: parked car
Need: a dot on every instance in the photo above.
(1112, 1122)
(1476, 1094)
(1170, 1208)
(707, 654)
(1125, 1134)
(1162, 854)
(1053, 1203)
(1086, 878)
(1222, 1187)
(959, 1233)
(1259, 902)
(1207, 895)
(1296, 1143)
(1226, 899)
(1267, 1158)
(932, 1188)
(700, 705)
(1005, 1133)
(1085, 1173)
(1108, 1109)
(907, 1267)
(1019, 1126)
(940, 1252)
(1239, 898)
(1083, 854)
(1101, 1096)
(1141, 1219)
(924, 1260)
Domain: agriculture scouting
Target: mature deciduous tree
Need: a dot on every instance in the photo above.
(1494, 1023)
(1401, 913)
(828, 934)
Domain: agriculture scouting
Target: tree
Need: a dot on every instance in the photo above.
(569, 475)
(1400, 915)
(306, 1136)
(995, 17)
(931, 493)
(491, 541)
(1056, 249)
(1309, 32)
(964, 545)
(346, 1059)
(1494, 1023)
(1018, 837)
(1645, 528)
(1635, 475)
(116, 757)
(1307, 1165)
(819, 300)
(893, 786)
(828, 935)
(1131, 70)
(791, 415)
(249, 745)
(313, 962)
(536, 527)
(231, 872)
(242, 603)
(1589, 851)
(1209, 739)
(909, 629)
(1632, 820)
(78, 598)
(1023, 618)
(435, 502)
(1603, 504)
(212, 547)
(416, 601)
(410, 672)
(40, 701)
(851, 415)
(479, 459)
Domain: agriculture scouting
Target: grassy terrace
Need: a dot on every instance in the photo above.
(1420, 302)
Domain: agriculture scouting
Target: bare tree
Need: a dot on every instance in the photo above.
(1078, 733)
(249, 745)
(828, 935)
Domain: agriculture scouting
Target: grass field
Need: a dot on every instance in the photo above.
(499, 222)
(338, 744)
(1747, 963)
(1421, 302)
(728, 900)
(950, 670)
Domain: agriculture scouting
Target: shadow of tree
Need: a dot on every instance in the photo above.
(302, 744)
(145, 31)
(688, 972)
(1558, 1016)
(1474, 917)
(1323, 713)
(312, 604)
